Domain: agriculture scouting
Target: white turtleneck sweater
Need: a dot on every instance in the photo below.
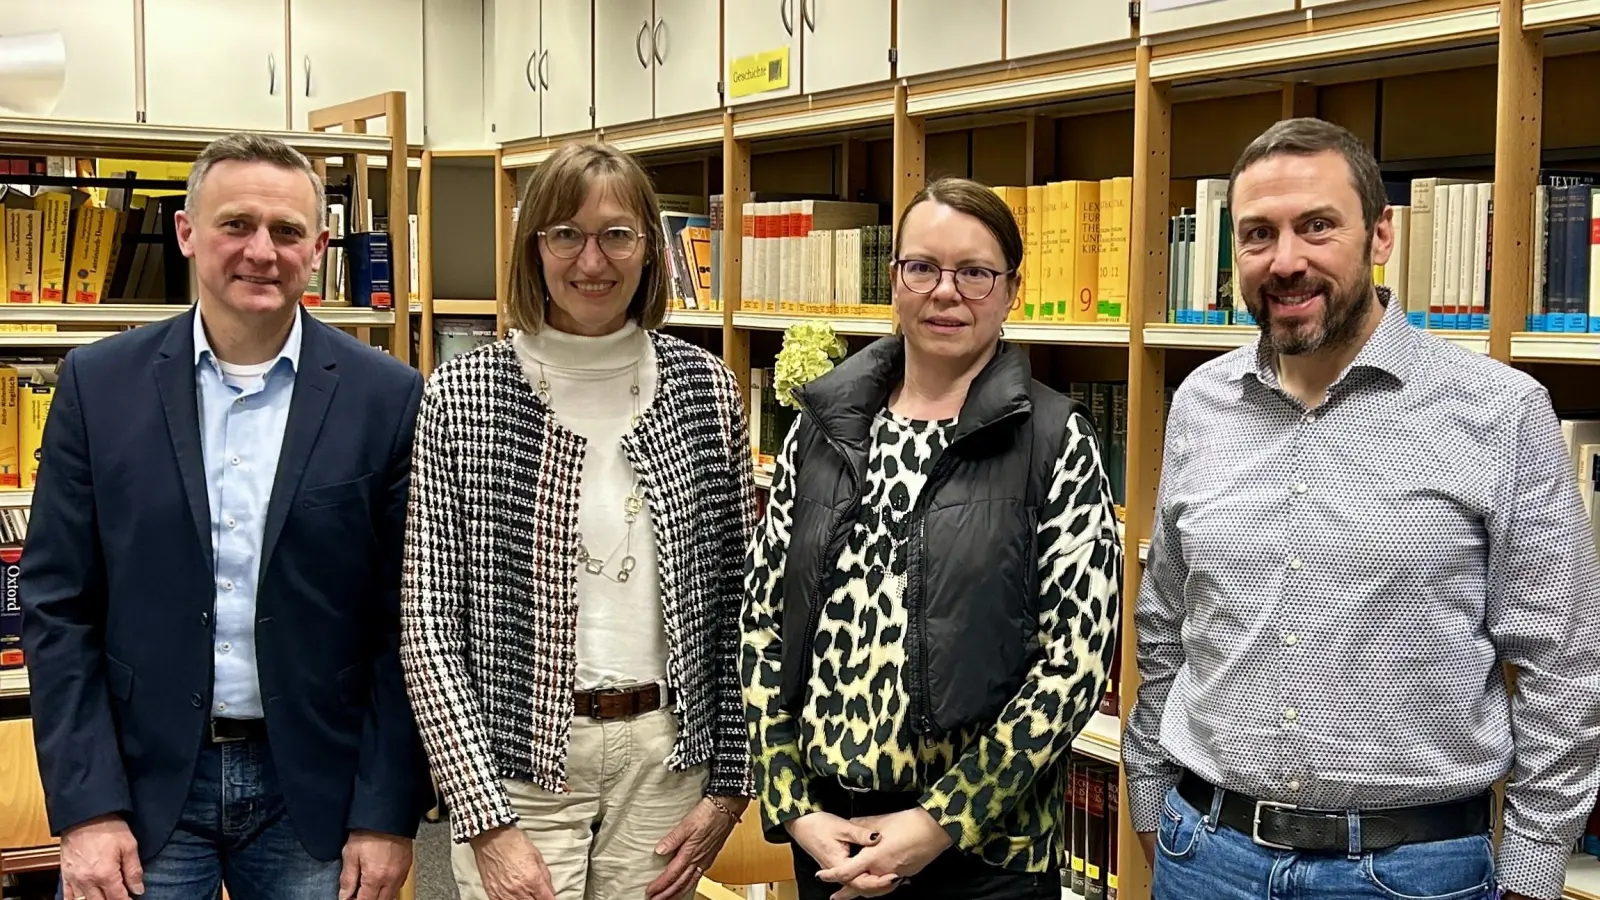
(621, 630)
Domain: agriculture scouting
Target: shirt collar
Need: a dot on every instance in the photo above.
(1391, 348)
(289, 353)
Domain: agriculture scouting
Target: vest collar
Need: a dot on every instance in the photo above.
(844, 400)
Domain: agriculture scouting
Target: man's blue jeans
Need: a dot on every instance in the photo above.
(1198, 860)
(235, 829)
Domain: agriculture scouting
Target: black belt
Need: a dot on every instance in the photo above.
(228, 731)
(1284, 826)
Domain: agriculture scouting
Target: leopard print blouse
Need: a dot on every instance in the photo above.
(997, 788)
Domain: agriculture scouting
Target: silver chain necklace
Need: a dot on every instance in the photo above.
(632, 505)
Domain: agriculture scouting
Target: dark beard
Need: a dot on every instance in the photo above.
(1343, 313)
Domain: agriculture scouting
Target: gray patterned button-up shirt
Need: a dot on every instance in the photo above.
(1331, 592)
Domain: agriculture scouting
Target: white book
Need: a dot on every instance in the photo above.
(1480, 250)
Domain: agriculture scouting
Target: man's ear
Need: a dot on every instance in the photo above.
(185, 229)
(1383, 236)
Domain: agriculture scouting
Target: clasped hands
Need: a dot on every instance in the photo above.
(892, 849)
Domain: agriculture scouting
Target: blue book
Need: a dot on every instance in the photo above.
(371, 281)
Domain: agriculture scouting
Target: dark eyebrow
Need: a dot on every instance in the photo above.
(1319, 212)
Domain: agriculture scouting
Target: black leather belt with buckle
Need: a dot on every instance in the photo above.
(228, 731)
(1285, 826)
(619, 703)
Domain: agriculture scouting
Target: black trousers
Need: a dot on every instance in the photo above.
(953, 875)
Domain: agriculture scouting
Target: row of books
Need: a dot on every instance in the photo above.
(26, 389)
(1075, 237)
(1092, 819)
(814, 256)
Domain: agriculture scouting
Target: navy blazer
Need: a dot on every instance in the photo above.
(117, 590)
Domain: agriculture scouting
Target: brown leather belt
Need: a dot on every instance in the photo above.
(619, 703)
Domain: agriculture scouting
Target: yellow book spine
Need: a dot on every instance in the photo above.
(1017, 199)
(22, 256)
(55, 214)
(1114, 230)
(10, 430)
(1085, 285)
(91, 253)
(1033, 271)
(1055, 264)
(35, 400)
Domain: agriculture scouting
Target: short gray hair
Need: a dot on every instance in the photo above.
(247, 147)
(1307, 137)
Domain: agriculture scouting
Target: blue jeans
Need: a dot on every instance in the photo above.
(234, 829)
(1199, 860)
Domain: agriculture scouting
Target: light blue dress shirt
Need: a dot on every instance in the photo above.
(243, 412)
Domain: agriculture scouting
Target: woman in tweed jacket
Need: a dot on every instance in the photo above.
(581, 499)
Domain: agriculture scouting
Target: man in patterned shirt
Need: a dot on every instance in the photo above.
(1358, 524)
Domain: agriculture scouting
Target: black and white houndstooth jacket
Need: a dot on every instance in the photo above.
(489, 618)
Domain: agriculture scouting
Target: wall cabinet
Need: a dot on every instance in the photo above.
(565, 69)
(756, 26)
(516, 82)
(99, 39)
(452, 74)
(243, 58)
(846, 42)
(1034, 27)
(348, 49)
(940, 35)
(655, 59)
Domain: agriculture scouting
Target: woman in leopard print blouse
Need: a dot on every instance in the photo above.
(933, 594)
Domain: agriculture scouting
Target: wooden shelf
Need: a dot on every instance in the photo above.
(1583, 877)
(1066, 333)
(459, 307)
(1531, 346)
(695, 318)
(116, 139)
(142, 313)
(1101, 738)
(841, 324)
(28, 339)
(1228, 337)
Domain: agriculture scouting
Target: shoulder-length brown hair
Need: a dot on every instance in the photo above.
(555, 193)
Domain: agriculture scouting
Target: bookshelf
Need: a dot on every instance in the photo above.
(1173, 105)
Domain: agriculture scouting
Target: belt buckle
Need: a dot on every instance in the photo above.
(221, 739)
(1255, 826)
(594, 695)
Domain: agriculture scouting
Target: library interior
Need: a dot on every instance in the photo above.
(802, 128)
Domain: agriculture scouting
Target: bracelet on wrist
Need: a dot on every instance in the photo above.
(723, 808)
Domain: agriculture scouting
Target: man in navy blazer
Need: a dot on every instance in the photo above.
(211, 578)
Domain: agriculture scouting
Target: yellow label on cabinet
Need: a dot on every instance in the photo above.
(759, 73)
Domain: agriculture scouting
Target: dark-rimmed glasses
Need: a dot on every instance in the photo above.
(972, 282)
(616, 242)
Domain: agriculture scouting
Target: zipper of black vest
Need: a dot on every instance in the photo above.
(840, 524)
(917, 615)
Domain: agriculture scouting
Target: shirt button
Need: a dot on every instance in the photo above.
(1300, 488)
(227, 585)
(1291, 714)
(222, 707)
(1294, 785)
(233, 460)
(1294, 562)
(231, 522)
(1291, 639)
(225, 647)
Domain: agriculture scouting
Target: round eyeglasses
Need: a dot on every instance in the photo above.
(616, 242)
(972, 282)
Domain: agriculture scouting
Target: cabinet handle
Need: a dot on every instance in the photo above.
(527, 70)
(655, 42)
(544, 70)
(272, 74)
(806, 17)
(638, 44)
(786, 16)
(308, 75)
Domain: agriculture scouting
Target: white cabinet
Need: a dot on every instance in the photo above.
(516, 79)
(757, 26)
(624, 56)
(847, 42)
(655, 59)
(349, 49)
(940, 35)
(565, 69)
(684, 41)
(452, 52)
(1034, 27)
(98, 35)
(234, 78)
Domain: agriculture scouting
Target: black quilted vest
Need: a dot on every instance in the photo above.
(972, 574)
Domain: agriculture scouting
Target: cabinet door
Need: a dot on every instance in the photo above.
(516, 77)
(244, 58)
(622, 62)
(846, 42)
(566, 66)
(939, 35)
(452, 54)
(350, 49)
(685, 40)
(756, 26)
(1049, 26)
(98, 35)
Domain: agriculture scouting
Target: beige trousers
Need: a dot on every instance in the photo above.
(599, 841)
